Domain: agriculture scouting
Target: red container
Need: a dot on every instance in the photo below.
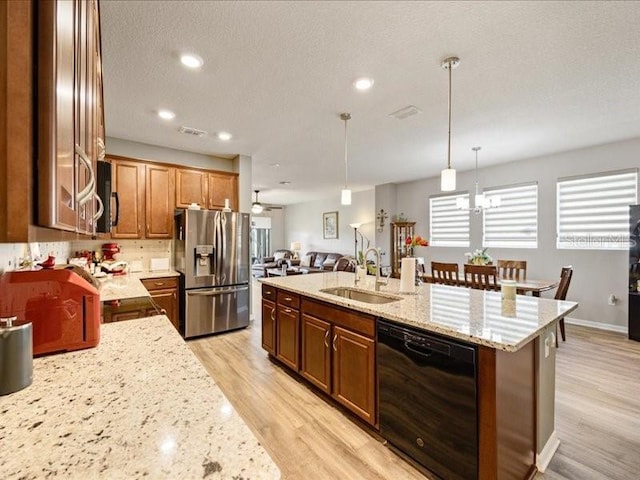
(109, 250)
(63, 308)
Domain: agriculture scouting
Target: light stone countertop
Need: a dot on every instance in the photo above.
(475, 316)
(120, 287)
(138, 405)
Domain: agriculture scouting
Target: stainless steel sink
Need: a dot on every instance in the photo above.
(359, 295)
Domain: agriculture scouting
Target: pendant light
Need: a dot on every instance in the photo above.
(448, 175)
(256, 207)
(345, 197)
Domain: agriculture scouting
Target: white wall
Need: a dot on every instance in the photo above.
(303, 223)
(144, 151)
(596, 273)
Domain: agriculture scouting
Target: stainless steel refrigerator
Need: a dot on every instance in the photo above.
(212, 256)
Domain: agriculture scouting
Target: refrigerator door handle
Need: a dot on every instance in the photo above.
(213, 292)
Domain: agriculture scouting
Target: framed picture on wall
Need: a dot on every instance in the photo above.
(330, 225)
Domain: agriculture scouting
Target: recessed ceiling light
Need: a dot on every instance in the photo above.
(224, 136)
(274, 165)
(285, 182)
(191, 60)
(166, 114)
(363, 83)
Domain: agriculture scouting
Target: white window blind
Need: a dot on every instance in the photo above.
(449, 225)
(514, 224)
(593, 210)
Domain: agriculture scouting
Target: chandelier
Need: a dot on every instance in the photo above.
(481, 202)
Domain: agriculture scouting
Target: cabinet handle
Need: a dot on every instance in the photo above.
(159, 284)
(100, 211)
(267, 293)
(288, 299)
(287, 310)
(335, 337)
(273, 314)
(326, 339)
(174, 296)
(148, 229)
(86, 193)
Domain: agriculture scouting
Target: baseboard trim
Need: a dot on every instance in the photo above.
(544, 457)
(598, 325)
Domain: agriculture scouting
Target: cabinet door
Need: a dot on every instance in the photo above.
(288, 330)
(191, 187)
(221, 186)
(316, 352)
(167, 300)
(159, 195)
(269, 326)
(128, 181)
(354, 373)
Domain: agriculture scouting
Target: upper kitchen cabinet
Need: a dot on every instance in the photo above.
(206, 188)
(69, 114)
(191, 187)
(223, 185)
(145, 196)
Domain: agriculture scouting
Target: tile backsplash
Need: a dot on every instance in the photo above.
(11, 254)
(131, 250)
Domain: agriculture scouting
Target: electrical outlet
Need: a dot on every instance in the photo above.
(547, 347)
(612, 300)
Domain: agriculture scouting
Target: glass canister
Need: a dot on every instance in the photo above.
(16, 355)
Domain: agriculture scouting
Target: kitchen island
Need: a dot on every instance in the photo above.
(138, 405)
(332, 341)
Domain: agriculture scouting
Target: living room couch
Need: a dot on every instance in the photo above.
(316, 262)
(259, 268)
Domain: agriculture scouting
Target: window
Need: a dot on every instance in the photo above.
(449, 225)
(515, 223)
(593, 210)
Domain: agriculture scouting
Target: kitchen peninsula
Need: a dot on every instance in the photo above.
(334, 342)
(140, 404)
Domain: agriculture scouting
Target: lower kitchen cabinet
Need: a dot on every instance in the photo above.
(164, 292)
(316, 352)
(288, 332)
(269, 326)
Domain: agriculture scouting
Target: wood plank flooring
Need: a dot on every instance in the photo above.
(597, 411)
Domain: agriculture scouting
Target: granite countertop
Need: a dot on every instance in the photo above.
(475, 316)
(138, 405)
(119, 287)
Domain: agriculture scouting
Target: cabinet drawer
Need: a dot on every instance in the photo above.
(163, 283)
(357, 322)
(268, 292)
(289, 299)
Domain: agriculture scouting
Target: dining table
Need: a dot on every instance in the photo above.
(523, 287)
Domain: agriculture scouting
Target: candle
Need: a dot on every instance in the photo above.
(226, 203)
(508, 289)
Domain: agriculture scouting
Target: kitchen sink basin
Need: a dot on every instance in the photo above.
(359, 295)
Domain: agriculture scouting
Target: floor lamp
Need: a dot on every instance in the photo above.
(355, 227)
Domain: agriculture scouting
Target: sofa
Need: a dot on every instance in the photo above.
(316, 262)
(279, 257)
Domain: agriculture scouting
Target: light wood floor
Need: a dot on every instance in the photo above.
(597, 411)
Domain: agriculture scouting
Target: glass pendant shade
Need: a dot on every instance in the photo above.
(448, 180)
(256, 208)
(345, 197)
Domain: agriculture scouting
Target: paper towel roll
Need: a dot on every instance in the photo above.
(408, 275)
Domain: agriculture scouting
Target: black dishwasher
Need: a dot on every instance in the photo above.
(428, 407)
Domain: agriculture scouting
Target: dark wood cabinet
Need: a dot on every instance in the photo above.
(164, 292)
(316, 352)
(288, 333)
(354, 376)
(269, 326)
(331, 347)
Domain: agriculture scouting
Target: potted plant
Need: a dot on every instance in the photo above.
(479, 257)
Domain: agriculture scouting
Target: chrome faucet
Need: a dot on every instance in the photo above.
(379, 282)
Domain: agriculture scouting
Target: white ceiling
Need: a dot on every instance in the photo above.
(535, 78)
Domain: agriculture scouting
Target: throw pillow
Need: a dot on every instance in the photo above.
(278, 255)
(306, 261)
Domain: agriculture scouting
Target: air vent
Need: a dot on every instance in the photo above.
(405, 112)
(192, 131)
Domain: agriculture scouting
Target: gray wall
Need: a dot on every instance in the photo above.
(597, 273)
(144, 151)
(303, 223)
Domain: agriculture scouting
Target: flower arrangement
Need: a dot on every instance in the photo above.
(415, 241)
(479, 257)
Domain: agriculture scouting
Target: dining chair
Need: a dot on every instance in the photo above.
(445, 273)
(512, 269)
(561, 294)
(481, 277)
